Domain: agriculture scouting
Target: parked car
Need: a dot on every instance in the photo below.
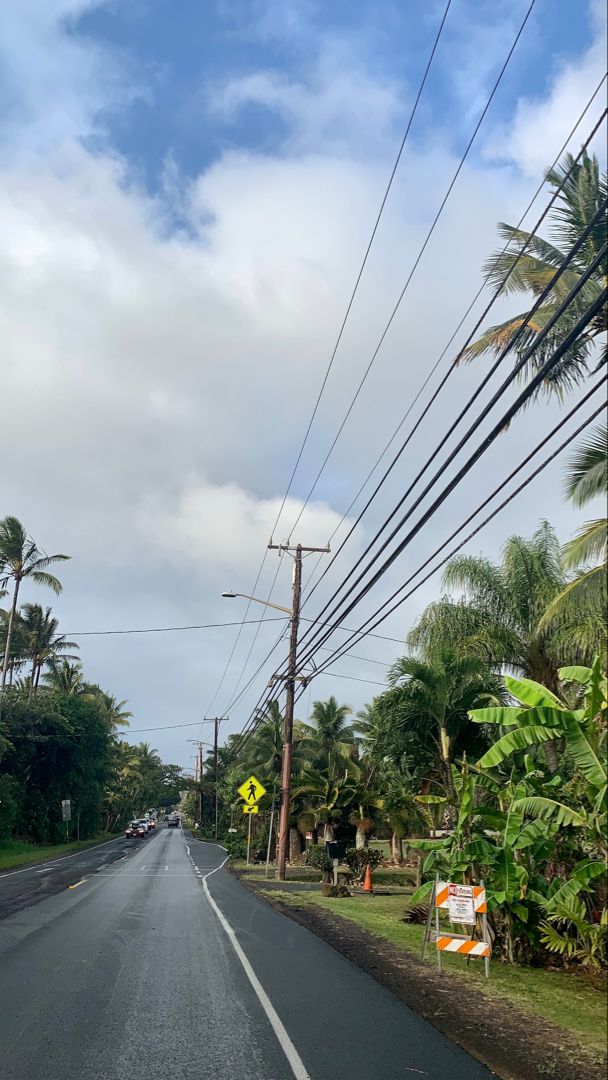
(135, 831)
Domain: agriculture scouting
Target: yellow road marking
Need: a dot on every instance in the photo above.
(82, 882)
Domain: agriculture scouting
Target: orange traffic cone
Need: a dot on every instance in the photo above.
(367, 884)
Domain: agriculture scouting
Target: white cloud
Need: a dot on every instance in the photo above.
(156, 384)
(534, 136)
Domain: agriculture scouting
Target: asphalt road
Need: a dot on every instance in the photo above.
(162, 966)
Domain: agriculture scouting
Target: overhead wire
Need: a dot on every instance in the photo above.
(336, 345)
(519, 366)
(417, 260)
(454, 364)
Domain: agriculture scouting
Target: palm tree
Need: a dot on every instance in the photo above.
(329, 736)
(41, 641)
(499, 615)
(20, 559)
(579, 609)
(63, 676)
(435, 697)
(113, 711)
(579, 201)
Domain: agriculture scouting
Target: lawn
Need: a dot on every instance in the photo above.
(567, 1000)
(15, 853)
(402, 876)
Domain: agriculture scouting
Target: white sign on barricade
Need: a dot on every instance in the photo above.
(461, 904)
(466, 906)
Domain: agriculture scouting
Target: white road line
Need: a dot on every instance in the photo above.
(295, 1061)
(51, 862)
(48, 870)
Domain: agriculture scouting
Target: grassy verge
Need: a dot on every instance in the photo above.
(14, 853)
(566, 1000)
(403, 877)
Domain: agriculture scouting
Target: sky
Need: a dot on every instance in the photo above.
(187, 189)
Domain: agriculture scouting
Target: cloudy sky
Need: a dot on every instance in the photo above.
(187, 188)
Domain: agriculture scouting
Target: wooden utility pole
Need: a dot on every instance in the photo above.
(290, 687)
(216, 721)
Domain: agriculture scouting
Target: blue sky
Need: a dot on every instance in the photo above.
(177, 54)
(186, 191)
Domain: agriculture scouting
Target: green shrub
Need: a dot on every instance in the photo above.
(359, 858)
(236, 846)
(317, 856)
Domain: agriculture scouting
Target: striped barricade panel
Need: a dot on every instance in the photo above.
(465, 948)
(479, 897)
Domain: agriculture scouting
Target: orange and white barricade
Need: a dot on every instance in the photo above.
(466, 905)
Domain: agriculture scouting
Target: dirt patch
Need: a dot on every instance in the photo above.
(514, 1044)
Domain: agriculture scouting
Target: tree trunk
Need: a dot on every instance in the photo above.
(396, 848)
(328, 832)
(9, 632)
(360, 838)
(295, 844)
(550, 752)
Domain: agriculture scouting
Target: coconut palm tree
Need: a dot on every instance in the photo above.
(578, 611)
(21, 559)
(42, 643)
(113, 711)
(63, 676)
(582, 196)
(330, 738)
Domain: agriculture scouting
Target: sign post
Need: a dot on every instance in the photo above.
(251, 792)
(66, 814)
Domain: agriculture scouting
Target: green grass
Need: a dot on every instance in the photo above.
(17, 853)
(564, 999)
(402, 877)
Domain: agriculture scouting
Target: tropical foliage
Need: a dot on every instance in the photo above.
(59, 733)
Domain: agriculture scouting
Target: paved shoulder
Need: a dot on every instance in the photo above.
(342, 1023)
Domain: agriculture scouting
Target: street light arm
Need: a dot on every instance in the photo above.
(266, 603)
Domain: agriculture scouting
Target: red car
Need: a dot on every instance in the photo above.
(135, 831)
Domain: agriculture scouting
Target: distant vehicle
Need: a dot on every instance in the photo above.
(173, 823)
(151, 823)
(135, 831)
(144, 825)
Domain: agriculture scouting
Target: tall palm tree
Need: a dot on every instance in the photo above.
(499, 615)
(63, 676)
(21, 559)
(579, 201)
(42, 643)
(436, 696)
(114, 712)
(330, 737)
(579, 611)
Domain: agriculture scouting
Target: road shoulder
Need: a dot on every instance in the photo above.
(514, 1044)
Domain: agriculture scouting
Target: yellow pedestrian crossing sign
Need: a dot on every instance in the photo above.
(251, 809)
(251, 791)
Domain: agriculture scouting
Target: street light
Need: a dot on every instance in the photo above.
(266, 603)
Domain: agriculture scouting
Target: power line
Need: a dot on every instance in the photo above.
(523, 397)
(361, 633)
(416, 262)
(335, 349)
(165, 629)
(364, 262)
(470, 336)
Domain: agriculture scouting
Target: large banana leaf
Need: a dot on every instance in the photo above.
(583, 753)
(531, 693)
(549, 810)
(518, 739)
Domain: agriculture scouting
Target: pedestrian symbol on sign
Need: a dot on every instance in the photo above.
(251, 791)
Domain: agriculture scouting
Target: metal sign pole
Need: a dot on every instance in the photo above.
(437, 925)
(485, 935)
(249, 837)
(429, 919)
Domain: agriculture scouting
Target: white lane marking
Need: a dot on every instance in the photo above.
(295, 1061)
(82, 881)
(166, 867)
(51, 862)
(48, 870)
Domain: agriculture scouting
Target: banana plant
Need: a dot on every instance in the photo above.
(542, 717)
